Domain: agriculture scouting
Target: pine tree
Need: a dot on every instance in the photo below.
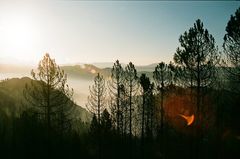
(231, 48)
(161, 77)
(115, 84)
(97, 98)
(131, 87)
(106, 123)
(50, 96)
(146, 87)
(197, 58)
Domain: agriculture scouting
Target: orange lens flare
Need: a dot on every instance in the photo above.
(189, 119)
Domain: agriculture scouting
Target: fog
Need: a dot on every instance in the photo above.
(81, 90)
(80, 86)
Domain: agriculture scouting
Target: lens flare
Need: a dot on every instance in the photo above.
(189, 119)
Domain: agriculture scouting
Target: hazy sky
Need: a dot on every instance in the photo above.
(103, 31)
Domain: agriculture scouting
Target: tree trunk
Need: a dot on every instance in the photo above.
(143, 114)
(118, 107)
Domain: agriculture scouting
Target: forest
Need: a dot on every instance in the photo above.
(188, 108)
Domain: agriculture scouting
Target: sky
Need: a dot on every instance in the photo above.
(143, 32)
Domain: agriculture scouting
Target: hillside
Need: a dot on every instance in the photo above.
(13, 101)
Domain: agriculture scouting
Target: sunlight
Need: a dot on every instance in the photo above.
(18, 35)
(189, 119)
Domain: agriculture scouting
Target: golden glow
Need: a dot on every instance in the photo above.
(18, 32)
(19, 36)
(189, 119)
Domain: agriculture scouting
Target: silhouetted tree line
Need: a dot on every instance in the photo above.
(130, 113)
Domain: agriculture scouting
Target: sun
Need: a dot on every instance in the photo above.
(18, 36)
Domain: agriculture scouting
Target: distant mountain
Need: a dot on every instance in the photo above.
(88, 71)
(82, 71)
(146, 68)
(103, 64)
(85, 71)
(149, 67)
(12, 99)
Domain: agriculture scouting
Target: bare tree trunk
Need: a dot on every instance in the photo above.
(143, 114)
(161, 110)
(118, 107)
(130, 112)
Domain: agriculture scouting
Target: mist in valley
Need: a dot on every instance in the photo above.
(80, 86)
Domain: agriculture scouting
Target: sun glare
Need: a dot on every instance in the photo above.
(18, 36)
